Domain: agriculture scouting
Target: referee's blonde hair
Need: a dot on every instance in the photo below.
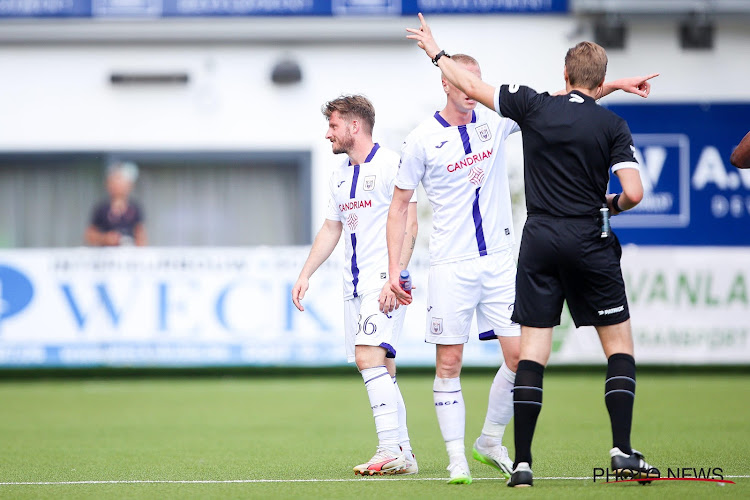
(351, 106)
(586, 64)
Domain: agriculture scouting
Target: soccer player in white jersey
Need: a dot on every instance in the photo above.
(361, 188)
(458, 156)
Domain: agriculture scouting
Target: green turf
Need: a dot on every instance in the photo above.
(319, 427)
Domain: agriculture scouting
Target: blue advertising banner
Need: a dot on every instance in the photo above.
(692, 194)
(36, 8)
(219, 8)
(169, 307)
(412, 7)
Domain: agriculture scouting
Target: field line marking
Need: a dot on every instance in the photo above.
(250, 481)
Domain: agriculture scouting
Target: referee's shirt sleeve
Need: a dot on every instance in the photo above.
(622, 150)
(514, 101)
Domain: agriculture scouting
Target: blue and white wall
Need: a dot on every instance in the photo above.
(690, 302)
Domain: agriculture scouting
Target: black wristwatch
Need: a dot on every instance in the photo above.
(438, 56)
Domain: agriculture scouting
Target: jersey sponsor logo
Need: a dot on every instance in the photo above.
(383, 276)
(440, 145)
(437, 326)
(476, 175)
(369, 183)
(354, 204)
(470, 160)
(612, 310)
(351, 221)
(340, 183)
(576, 99)
(483, 131)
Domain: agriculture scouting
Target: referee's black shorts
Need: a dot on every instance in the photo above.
(567, 259)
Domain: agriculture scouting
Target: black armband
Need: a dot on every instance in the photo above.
(615, 206)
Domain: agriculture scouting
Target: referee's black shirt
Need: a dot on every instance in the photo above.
(569, 144)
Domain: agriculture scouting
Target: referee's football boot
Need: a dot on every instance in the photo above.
(632, 466)
(382, 463)
(521, 477)
(496, 457)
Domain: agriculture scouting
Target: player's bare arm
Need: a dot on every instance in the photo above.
(395, 232)
(322, 248)
(741, 155)
(469, 83)
(632, 191)
(388, 300)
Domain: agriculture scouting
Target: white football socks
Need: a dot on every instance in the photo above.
(403, 431)
(383, 401)
(499, 408)
(451, 414)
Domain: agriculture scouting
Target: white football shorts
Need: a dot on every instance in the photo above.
(364, 324)
(456, 290)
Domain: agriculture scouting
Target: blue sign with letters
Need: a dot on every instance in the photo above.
(216, 8)
(692, 194)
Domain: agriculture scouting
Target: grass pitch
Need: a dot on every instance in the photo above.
(299, 437)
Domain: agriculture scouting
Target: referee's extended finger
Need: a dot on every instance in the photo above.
(653, 75)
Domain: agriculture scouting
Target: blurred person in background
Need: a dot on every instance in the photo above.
(361, 188)
(118, 221)
(741, 155)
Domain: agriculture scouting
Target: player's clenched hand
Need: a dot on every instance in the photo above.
(423, 36)
(387, 299)
(638, 85)
(298, 292)
(402, 297)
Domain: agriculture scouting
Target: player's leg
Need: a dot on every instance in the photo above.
(619, 396)
(451, 410)
(494, 321)
(372, 345)
(403, 430)
(382, 395)
(488, 447)
(452, 298)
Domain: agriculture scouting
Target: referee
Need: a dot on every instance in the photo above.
(567, 250)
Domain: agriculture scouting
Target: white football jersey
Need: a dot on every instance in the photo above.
(462, 169)
(360, 198)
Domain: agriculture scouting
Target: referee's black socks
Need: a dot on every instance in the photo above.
(527, 403)
(619, 395)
